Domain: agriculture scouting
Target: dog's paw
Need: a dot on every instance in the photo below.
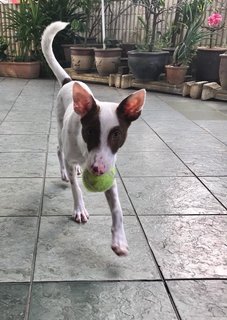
(119, 242)
(64, 176)
(120, 248)
(78, 171)
(80, 216)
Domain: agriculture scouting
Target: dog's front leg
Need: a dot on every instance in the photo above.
(119, 242)
(80, 213)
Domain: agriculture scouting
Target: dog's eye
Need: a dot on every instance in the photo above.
(90, 131)
(116, 134)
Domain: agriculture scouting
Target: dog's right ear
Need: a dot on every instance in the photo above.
(83, 101)
(130, 108)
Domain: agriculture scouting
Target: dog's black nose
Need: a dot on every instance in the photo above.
(96, 170)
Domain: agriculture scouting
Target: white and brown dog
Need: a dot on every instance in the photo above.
(90, 132)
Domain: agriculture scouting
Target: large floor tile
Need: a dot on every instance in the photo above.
(8, 127)
(20, 196)
(175, 127)
(23, 143)
(218, 186)
(217, 128)
(22, 165)
(58, 199)
(139, 126)
(200, 299)
(162, 115)
(101, 301)
(17, 239)
(145, 141)
(68, 251)
(171, 195)
(144, 164)
(188, 246)
(193, 143)
(28, 116)
(53, 169)
(206, 163)
(13, 299)
(11, 89)
(194, 111)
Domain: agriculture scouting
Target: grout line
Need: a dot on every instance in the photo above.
(125, 215)
(194, 175)
(153, 255)
(28, 304)
(14, 102)
(113, 280)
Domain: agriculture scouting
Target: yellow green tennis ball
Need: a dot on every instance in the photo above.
(101, 183)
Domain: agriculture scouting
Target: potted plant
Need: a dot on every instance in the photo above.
(82, 55)
(3, 47)
(108, 58)
(146, 63)
(26, 23)
(68, 11)
(208, 58)
(186, 49)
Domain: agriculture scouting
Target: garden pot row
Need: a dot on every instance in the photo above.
(211, 65)
(106, 61)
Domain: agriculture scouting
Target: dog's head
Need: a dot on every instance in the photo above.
(105, 125)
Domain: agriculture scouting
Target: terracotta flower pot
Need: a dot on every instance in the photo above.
(175, 75)
(26, 70)
(82, 59)
(223, 71)
(107, 61)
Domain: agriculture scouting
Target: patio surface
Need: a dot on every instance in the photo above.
(173, 189)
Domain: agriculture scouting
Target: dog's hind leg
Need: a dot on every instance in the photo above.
(119, 242)
(80, 213)
(63, 171)
(60, 111)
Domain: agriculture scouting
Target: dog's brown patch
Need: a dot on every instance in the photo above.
(66, 80)
(91, 128)
(117, 136)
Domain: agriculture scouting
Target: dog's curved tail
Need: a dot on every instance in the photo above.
(46, 44)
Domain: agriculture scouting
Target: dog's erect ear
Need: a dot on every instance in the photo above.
(130, 108)
(83, 101)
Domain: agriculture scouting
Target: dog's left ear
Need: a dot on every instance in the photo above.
(130, 108)
(83, 101)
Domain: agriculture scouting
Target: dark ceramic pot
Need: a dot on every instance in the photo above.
(147, 66)
(207, 64)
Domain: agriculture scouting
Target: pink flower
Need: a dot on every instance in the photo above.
(214, 20)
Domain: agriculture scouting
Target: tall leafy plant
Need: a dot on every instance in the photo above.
(186, 49)
(153, 10)
(27, 24)
(187, 11)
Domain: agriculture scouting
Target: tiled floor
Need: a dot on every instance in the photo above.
(173, 189)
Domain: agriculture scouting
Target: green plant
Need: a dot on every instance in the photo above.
(3, 47)
(27, 24)
(186, 49)
(186, 11)
(153, 10)
(67, 11)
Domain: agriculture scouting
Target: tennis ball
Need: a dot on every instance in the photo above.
(101, 183)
